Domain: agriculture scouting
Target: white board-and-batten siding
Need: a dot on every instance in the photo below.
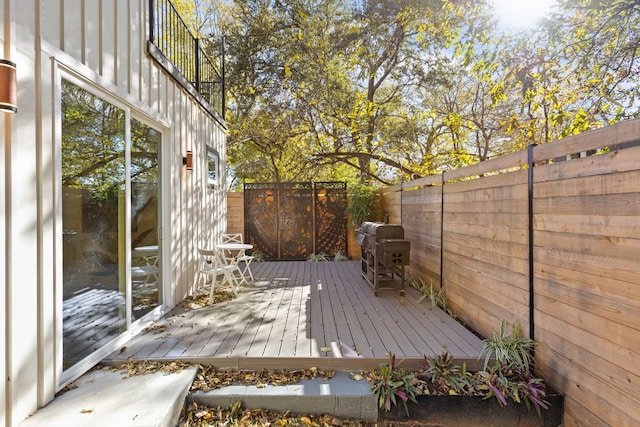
(102, 43)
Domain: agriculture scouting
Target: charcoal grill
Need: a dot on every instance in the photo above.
(384, 254)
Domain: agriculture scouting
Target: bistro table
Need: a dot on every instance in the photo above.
(234, 253)
(148, 253)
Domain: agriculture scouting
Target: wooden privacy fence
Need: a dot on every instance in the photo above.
(548, 237)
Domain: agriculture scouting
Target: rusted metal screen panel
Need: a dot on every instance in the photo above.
(289, 221)
(295, 220)
(330, 217)
(261, 218)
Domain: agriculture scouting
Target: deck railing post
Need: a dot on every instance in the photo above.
(196, 44)
(222, 77)
(152, 20)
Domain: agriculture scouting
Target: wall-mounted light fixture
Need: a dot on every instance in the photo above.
(8, 87)
(188, 160)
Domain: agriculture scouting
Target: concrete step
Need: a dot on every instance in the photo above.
(104, 398)
(339, 396)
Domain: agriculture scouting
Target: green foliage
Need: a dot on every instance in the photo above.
(444, 375)
(385, 91)
(317, 258)
(508, 347)
(509, 378)
(391, 383)
(438, 297)
(362, 200)
(340, 256)
(257, 256)
(507, 381)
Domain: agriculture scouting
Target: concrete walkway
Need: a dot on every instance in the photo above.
(104, 398)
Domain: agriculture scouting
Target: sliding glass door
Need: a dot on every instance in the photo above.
(110, 222)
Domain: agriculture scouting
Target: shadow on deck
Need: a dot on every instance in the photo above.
(306, 314)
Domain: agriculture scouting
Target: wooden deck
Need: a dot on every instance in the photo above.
(303, 314)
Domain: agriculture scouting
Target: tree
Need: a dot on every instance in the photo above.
(381, 91)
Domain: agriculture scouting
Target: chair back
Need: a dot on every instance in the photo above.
(232, 238)
(209, 259)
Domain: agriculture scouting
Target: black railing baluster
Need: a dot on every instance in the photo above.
(169, 33)
(197, 65)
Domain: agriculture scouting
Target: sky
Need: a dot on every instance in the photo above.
(514, 14)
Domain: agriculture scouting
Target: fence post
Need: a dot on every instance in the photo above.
(441, 229)
(530, 164)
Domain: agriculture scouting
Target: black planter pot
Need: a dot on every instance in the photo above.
(464, 411)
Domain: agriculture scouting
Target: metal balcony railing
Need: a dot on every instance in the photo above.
(173, 45)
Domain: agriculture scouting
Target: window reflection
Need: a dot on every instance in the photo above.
(93, 185)
(144, 218)
(94, 203)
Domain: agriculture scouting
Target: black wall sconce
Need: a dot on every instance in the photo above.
(188, 160)
(8, 87)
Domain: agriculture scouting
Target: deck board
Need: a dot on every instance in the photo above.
(295, 312)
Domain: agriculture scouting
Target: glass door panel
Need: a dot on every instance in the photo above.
(145, 262)
(93, 221)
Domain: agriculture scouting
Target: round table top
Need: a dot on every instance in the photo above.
(234, 246)
(150, 248)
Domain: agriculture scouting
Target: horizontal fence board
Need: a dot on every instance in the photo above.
(621, 133)
(509, 161)
(491, 182)
(595, 394)
(605, 308)
(470, 244)
(617, 342)
(511, 295)
(610, 275)
(616, 204)
(604, 246)
(506, 193)
(629, 382)
(480, 315)
(427, 223)
(599, 394)
(503, 304)
(517, 265)
(619, 183)
(423, 196)
(597, 225)
(508, 234)
(428, 181)
(576, 415)
(511, 220)
(489, 206)
(491, 270)
(601, 164)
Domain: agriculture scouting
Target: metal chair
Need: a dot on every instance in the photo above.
(212, 264)
(245, 270)
(144, 266)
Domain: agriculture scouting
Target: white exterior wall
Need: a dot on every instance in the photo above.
(103, 42)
